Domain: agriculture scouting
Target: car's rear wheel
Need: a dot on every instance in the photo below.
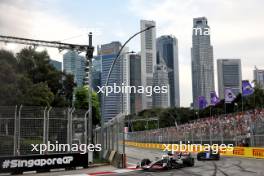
(169, 165)
(145, 162)
(217, 157)
(189, 162)
(199, 155)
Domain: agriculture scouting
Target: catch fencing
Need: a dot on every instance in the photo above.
(22, 126)
(112, 138)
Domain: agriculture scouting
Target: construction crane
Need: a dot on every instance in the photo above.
(89, 49)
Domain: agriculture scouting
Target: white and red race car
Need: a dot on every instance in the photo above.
(169, 161)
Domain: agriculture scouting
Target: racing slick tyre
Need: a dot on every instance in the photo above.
(189, 162)
(217, 157)
(199, 155)
(169, 165)
(145, 162)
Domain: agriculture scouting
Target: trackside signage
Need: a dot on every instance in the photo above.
(258, 153)
(239, 151)
(19, 164)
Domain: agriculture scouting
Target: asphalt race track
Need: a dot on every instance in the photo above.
(226, 166)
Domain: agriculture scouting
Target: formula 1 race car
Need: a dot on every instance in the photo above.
(169, 161)
(208, 155)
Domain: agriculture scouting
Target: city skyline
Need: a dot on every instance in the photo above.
(232, 35)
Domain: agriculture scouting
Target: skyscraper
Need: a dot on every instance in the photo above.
(114, 103)
(148, 59)
(96, 72)
(202, 60)
(160, 78)
(259, 76)
(167, 50)
(135, 80)
(74, 64)
(56, 64)
(229, 76)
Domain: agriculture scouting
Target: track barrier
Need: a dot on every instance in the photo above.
(248, 152)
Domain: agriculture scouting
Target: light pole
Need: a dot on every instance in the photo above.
(89, 56)
(107, 80)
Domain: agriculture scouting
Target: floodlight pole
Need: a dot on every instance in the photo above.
(89, 57)
(107, 81)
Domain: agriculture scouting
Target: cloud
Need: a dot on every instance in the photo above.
(28, 19)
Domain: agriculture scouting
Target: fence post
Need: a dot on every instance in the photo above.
(222, 132)
(15, 133)
(117, 133)
(44, 126)
(112, 137)
(236, 127)
(124, 137)
(70, 111)
(192, 133)
(48, 124)
(252, 135)
(86, 132)
(210, 135)
(95, 136)
(86, 128)
(185, 137)
(201, 135)
(107, 137)
(18, 130)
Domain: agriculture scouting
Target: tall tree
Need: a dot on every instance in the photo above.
(29, 78)
(81, 102)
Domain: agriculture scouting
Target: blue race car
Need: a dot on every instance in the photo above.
(208, 155)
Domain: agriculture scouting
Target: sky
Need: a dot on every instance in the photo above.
(236, 27)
